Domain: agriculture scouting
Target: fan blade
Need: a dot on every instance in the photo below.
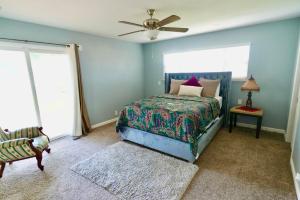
(131, 32)
(168, 20)
(173, 29)
(130, 23)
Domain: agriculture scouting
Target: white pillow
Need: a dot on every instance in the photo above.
(186, 90)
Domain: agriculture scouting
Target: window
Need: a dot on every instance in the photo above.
(234, 59)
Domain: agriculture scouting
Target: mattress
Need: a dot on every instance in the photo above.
(179, 117)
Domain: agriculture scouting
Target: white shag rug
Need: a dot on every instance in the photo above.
(132, 172)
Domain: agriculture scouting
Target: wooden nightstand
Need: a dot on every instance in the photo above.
(234, 111)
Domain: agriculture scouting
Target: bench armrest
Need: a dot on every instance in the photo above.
(30, 132)
(14, 142)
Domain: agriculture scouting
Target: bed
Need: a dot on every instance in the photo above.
(180, 126)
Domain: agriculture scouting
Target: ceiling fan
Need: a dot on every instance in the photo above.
(152, 26)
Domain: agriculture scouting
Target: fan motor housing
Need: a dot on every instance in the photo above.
(151, 23)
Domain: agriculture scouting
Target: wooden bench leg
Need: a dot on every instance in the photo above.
(38, 155)
(2, 166)
(48, 150)
(39, 158)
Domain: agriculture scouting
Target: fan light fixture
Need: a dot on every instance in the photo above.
(152, 34)
(153, 26)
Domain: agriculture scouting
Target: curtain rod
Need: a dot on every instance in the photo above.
(37, 42)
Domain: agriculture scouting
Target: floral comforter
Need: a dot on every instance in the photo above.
(180, 117)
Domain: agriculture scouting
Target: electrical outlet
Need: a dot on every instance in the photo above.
(240, 101)
(116, 113)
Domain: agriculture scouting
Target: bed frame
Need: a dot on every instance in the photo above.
(175, 147)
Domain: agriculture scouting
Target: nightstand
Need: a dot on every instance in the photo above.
(237, 110)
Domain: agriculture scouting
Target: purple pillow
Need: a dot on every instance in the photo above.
(192, 82)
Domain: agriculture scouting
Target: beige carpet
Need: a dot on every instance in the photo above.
(234, 166)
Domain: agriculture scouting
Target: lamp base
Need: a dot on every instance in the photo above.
(249, 100)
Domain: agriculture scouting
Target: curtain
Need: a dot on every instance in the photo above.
(82, 125)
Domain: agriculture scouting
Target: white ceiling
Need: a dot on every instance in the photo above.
(100, 17)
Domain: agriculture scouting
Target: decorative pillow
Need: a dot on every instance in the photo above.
(186, 90)
(209, 87)
(174, 87)
(192, 82)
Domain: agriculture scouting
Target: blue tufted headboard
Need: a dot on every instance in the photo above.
(225, 78)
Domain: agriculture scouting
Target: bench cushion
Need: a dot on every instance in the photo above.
(40, 142)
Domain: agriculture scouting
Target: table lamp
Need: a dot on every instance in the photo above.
(250, 85)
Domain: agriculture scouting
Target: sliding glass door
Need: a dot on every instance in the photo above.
(51, 72)
(36, 90)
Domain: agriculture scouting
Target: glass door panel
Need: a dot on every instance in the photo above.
(17, 108)
(52, 77)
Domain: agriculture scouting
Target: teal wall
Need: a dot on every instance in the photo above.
(272, 61)
(112, 70)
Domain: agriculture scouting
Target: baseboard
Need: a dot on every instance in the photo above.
(296, 182)
(264, 128)
(104, 123)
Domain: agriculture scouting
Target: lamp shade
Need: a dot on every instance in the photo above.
(250, 85)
